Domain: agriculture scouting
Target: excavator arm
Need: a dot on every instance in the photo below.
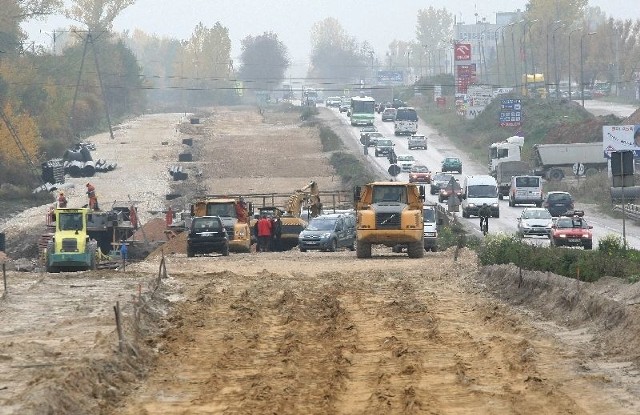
(308, 194)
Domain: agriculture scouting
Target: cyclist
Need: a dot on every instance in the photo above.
(484, 213)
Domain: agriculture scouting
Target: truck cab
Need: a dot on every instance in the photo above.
(389, 213)
(508, 150)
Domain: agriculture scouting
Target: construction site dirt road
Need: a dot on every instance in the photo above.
(314, 333)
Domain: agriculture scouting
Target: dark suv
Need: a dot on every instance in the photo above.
(557, 203)
(384, 147)
(207, 235)
(329, 232)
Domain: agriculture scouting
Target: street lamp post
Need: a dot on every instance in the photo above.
(495, 37)
(513, 49)
(546, 69)
(524, 51)
(582, 65)
(574, 30)
(555, 61)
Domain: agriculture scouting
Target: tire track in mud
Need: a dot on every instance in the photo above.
(251, 345)
(421, 351)
(354, 342)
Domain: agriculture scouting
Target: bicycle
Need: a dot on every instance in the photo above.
(484, 225)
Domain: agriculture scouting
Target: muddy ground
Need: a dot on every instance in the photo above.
(313, 333)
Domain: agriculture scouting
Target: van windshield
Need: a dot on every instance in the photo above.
(482, 191)
(321, 225)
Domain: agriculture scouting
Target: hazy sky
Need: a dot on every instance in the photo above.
(377, 21)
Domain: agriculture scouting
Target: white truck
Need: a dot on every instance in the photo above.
(505, 171)
(508, 150)
(551, 161)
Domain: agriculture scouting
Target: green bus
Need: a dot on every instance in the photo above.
(362, 110)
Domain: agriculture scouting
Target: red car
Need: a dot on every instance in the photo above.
(571, 229)
(420, 174)
(448, 189)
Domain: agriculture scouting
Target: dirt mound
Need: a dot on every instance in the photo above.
(633, 118)
(586, 131)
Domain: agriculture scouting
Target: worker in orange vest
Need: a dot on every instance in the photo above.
(169, 216)
(93, 199)
(62, 200)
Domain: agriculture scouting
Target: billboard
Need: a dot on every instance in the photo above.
(621, 138)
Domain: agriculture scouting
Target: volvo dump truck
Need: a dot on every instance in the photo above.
(70, 249)
(235, 218)
(390, 214)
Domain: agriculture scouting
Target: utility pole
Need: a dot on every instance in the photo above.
(90, 40)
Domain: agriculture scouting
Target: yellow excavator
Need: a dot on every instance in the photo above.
(292, 223)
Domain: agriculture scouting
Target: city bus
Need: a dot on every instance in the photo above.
(362, 110)
(406, 121)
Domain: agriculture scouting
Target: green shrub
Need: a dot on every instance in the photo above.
(329, 139)
(350, 169)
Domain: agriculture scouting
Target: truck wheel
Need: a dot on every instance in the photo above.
(415, 250)
(555, 174)
(500, 196)
(363, 250)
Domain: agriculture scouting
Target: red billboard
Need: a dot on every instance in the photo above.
(465, 76)
(462, 52)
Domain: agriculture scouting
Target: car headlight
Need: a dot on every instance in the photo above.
(526, 225)
(326, 235)
(562, 235)
(495, 205)
(586, 235)
(472, 205)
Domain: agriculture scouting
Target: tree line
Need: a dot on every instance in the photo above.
(55, 97)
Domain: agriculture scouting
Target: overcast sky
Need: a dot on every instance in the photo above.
(376, 21)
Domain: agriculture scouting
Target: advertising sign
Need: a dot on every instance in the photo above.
(510, 112)
(390, 77)
(462, 52)
(480, 95)
(465, 76)
(621, 138)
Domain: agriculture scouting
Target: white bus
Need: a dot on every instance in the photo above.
(406, 122)
(362, 110)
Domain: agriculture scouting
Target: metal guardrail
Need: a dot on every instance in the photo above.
(631, 210)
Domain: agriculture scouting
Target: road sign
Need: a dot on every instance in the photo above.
(578, 169)
(394, 170)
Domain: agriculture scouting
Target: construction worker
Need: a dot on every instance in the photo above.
(93, 199)
(62, 200)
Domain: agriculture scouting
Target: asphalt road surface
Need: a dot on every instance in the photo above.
(440, 147)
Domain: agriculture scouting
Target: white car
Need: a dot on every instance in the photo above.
(534, 221)
(406, 162)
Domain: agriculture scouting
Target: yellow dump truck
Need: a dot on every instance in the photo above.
(390, 214)
(235, 218)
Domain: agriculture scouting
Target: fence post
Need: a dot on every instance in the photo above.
(4, 278)
(116, 309)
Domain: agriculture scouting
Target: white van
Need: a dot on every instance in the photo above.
(525, 190)
(478, 190)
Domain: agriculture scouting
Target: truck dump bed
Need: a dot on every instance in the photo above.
(568, 154)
